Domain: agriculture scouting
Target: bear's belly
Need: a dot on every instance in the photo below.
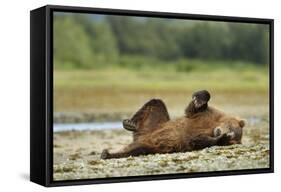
(164, 140)
(174, 135)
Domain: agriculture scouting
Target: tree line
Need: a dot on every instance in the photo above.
(87, 40)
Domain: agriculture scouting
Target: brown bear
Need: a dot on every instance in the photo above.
(202, 126)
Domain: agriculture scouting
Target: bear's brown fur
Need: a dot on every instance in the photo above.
(154, 132)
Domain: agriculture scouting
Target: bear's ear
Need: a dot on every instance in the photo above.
(242, 123)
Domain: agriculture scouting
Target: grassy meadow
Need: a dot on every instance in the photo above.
(119, 89)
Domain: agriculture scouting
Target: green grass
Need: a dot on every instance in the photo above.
(221, 78)
(120, 85)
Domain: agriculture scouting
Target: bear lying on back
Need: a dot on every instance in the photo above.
(202, 126)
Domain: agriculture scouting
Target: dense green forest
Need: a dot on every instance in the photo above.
(95, 41)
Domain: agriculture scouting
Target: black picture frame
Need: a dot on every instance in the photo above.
(41, 93)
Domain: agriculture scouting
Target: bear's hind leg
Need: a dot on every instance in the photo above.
(199, 103)
(148, 117)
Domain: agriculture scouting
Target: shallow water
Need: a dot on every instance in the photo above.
(251, 121)
(87, 126)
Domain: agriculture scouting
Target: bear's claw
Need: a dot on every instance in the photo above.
(129, 125)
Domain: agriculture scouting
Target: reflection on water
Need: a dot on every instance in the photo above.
(87, 126)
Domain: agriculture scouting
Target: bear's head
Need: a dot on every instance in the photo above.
(231, 126)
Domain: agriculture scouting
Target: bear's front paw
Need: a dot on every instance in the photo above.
(225, 139)
(199, 142)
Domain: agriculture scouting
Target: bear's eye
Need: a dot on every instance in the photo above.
(231, 128)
